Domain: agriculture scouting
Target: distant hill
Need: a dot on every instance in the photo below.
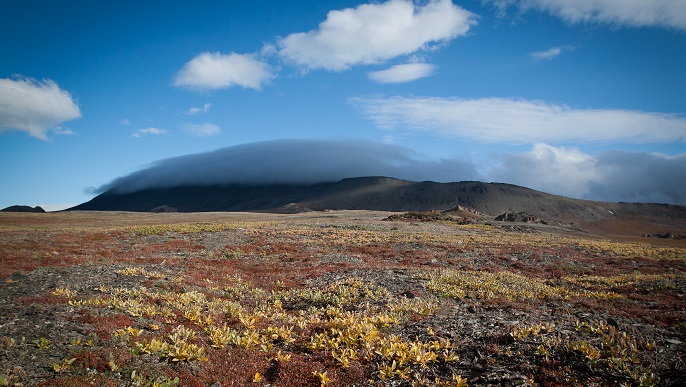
(378, 193)
(37, 209)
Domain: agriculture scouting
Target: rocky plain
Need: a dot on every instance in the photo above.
(338, 298)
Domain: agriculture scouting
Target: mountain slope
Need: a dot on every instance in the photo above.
(378, 193)
(20, 208)
(364, 193)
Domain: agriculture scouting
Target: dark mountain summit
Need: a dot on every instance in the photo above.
(364, 193)
(37, 209)
(376, 193)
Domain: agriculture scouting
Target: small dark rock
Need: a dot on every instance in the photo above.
(409, 294)
(16, 276)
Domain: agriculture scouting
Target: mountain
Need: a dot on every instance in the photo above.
(37, 209)
(378, 193)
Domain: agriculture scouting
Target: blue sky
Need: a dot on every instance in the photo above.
(585, 99)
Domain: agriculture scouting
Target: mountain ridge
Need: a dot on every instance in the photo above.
(376, 193)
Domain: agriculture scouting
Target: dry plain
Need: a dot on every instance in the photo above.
(333, 298)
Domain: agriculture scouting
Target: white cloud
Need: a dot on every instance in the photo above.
(125, 122)
(203, 130)
(402, 73)
(550, 53)
(63, 131)
(610, 176)
(33, 106)
(197, 110)
(520, 121)
(373, 33)
(209, 71)
(547, 54)
(565, 171)
(149, 131)
(632, 13)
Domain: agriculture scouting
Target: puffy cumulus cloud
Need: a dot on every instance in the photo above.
(210, 71)
(610, 176)
(634, 13)
(519, 121)
(373, 33)
(202, 130)
(34, 106)
(197, 110)
(293, 161)
(148, 131)
(402, 73)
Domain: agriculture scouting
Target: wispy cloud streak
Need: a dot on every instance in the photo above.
(648, 13)
(519, 121)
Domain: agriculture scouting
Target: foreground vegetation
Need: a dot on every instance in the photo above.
(331, 299)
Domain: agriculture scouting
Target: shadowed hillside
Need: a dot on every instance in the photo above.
(364, 193)
(19, 208)
(383, 194)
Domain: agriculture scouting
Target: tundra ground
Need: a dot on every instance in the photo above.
(340, 298)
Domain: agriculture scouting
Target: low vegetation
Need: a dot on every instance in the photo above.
(332, 299)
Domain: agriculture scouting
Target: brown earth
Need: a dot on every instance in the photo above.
(83, 295)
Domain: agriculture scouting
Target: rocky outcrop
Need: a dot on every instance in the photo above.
(520, 217)
(428, 216)
(458, 209)
(163, 208)
(665, 235)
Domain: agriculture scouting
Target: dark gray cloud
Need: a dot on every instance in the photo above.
(640, 177)
(293, 161)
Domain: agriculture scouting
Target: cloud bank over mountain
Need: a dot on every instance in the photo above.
(610, 176)
(292, 162)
